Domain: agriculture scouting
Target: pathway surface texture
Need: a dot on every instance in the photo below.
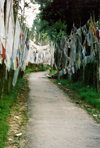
(55, 122)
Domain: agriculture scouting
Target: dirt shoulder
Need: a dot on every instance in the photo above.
(17, 120)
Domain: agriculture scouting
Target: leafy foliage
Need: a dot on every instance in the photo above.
(69, 12)
(56, 17)
(38, 32)
(44, 32)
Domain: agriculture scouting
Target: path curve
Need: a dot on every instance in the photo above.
(55, 122)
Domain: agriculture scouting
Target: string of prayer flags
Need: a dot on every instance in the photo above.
(20, 48)
(73, 70)
(26, 44)
(9, 64)
(79, 62)
(12, 66)
(64, 72)
(17, 62)
(98, 34)
(3, 52)
(13, 48)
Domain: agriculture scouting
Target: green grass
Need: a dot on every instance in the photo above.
(52, 72)
(29, 70)
(43, 68)
(87, 93)
(40, 68)
(5, 104)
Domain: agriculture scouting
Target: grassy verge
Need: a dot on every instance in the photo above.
(5, 106)
(40, 68)
(86, 93)
(84, 96)
(18, 119)
(53, 72)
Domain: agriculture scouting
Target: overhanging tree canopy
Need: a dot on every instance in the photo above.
(70, 11)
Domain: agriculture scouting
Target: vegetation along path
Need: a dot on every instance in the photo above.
(56, 122)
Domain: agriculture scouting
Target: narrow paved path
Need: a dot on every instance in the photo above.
(55, 122)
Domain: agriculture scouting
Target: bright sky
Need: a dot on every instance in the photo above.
(31, 12)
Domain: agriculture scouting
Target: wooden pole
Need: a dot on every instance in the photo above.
(99, 55)
(98, 64)
(99, 68)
